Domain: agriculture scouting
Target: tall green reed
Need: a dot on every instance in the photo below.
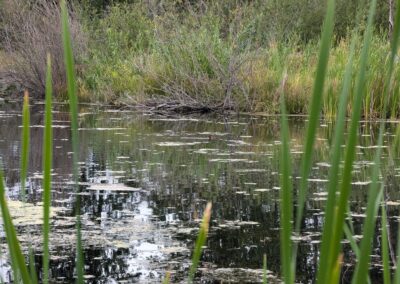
(47, 165)
(315, 110)
(73, 108)
(286, 196)
(334, 225)
(385, 245)
(25, 143)
(289, 256)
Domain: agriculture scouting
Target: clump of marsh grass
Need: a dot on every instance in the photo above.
(329, 268)
(30, 30)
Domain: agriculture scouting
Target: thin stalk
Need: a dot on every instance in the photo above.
(167, 278)
(286, 200)
(73, 106)
(47, 165)
(25, 143)
(396, 278)
(265, 278)
(385, 246)
(375, 194)
(32, 268)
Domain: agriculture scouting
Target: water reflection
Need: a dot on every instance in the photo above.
(145, 181)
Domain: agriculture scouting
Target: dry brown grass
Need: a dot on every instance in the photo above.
(31, 30)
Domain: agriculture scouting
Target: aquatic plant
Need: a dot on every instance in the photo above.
(337, 202)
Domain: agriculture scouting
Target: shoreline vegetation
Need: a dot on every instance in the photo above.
(198, 56)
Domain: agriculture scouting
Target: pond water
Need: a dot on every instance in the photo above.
(145, 181)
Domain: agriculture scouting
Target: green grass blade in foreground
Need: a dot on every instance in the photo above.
(316, 104)
(47, 165)
(32, 269)
(345, 185)
(385, 245)
(265, 271)
(167, 278)
(25, 143)
(337, 269)
(397, 272)
(375, 194)
(73, 105)
(353, 244)
(201, 240)
(393, 54)
(335, 157)
(286, 201)
(17, 258)
(373, 200)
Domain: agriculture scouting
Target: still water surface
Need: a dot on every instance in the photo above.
(145, 181)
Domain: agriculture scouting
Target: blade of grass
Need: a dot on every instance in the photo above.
(335, 157)
(17, 258)
(167, 278)
(316, 104)
(32, 269)
(25, 143)
(385, 246)
(73, 106)
(353, 244)
(345, 185)
(396, 278)
(374, 195)
(286, 200)
(47, 165)
(201, 240)
(337, 269)
(265, 278)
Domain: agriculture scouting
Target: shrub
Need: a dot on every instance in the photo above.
(31, 30)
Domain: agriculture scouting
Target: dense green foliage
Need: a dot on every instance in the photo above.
(216, 54)
(225, 54)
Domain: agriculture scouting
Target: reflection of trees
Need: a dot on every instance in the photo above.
(10, 148)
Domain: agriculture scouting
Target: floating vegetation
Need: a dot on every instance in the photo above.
(177, 144)
(28, 214)
(112, 187)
